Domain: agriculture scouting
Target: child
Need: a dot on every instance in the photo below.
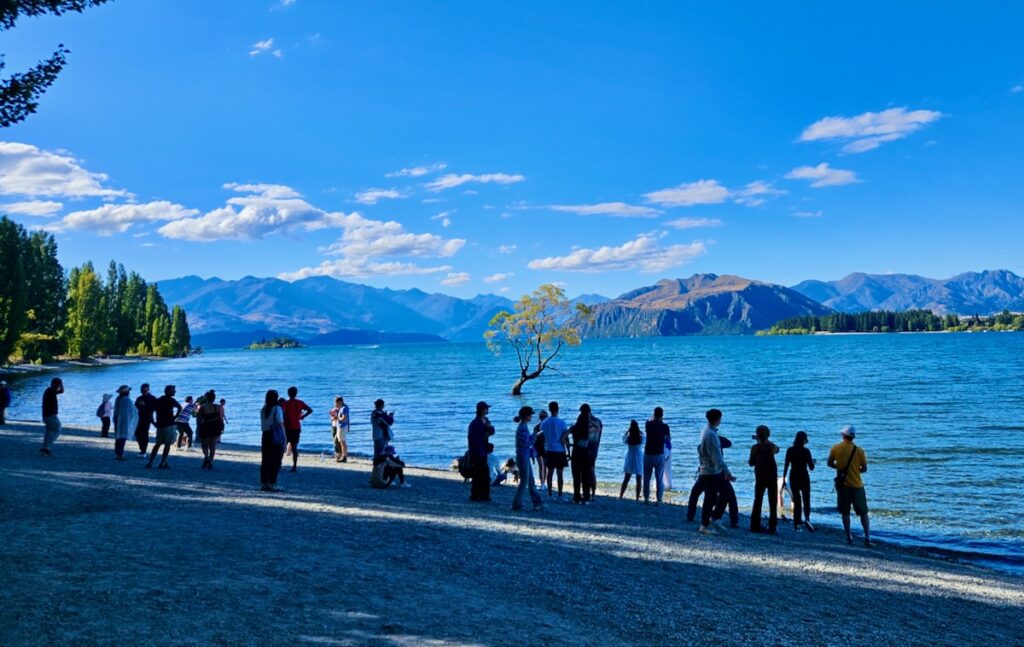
(386, 468)
(766, 473)
(510, 469)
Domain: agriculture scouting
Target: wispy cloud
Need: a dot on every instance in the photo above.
(498, 277)
(808, 214)
(116, 218)
(869, 130)
(693, 223)
(41, 208)
(755, 193)
(507, 249)
(261, 47)
(443, 217)
(689, 194)
(455, 279)
(360, 268)
(372, 196)
(1017, 89)
(30, 171)
(822, 175)
(453, 180)
(644, 254)
(617, 209)
(418, 171)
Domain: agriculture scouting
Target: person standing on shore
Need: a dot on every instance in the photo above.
(165, 411)
(556, 447)
(5, 401)
(103, 412)
(339, 429)
(579, 459)
(480, 430)
(658, 434)
(850, 462)
(799, 458)
(295, 411)
(713, 471)
(51, 421)
(726, 497)
(272, 442)
(209, 426)
(124, 419)
(766, 474)
(144, 407)
(183, 423)
(537, 447)
(381, 422)
(596, 428)
(633, 466)
(523, 446)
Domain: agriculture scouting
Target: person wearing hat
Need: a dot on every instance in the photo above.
(798, 457)
(766, 473)
(124, 419)
(381, 422)
(480, 429)
(850, 462)
(523, 446)
(104, 412)
(5, 401)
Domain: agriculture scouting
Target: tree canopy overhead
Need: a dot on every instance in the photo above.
(540, 326)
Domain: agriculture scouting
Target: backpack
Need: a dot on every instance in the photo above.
(464, 462)
(99, 410)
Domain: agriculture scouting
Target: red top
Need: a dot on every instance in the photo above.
(293, 409)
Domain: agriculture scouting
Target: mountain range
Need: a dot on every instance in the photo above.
(323, 310)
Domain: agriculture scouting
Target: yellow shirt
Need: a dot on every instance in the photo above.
(840, 456)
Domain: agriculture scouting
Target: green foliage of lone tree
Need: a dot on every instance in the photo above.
(20, 92)
(540, 326)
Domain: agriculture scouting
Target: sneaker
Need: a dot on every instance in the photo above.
(708, 531)
(717, 525)
(808, 526)
(849, 540)
(276, 488)
(798, 528)
(405, 485)
(868, 543)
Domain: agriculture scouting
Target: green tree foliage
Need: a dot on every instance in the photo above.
(19, 93)
(84, 332)
(181, 338)
(540, 326)
(13, 293)
(885, 321)
(44, 280)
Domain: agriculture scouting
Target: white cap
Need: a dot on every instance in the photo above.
(848, 432)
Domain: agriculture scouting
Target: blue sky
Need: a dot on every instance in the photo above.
(470, 148)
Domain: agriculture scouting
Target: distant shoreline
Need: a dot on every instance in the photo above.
(25, 369)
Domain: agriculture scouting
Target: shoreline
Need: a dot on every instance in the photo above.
(23, 369)
(332, 560)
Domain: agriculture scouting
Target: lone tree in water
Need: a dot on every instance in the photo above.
(540, 326)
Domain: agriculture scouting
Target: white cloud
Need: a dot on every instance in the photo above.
(371, 196)
(116, 218)
(1017, 89)
(365, 238)
(869, 130)
(507, 249)
(754, 193)
(452, 180)
(443, 217)
(822, 175)
(417, 171)
(361, 268)
(41, 208)
(278, 53)
(619, 209)
(694, 223)
(808, 214)
(689, 194)
(504, 290)
(261, 46)
(498, 277)
(644, 253)
(455, 278)
(29, 171)
(266, 209)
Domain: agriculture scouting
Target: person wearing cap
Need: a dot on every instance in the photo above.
(523, 446)
(766, 473)
(798, 457)
(104, 412)
(51, 421)
(124, 419)
(480, 429)
(5, 401)
(850, 462)
(381, 422)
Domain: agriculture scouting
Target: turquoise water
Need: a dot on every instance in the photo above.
(941, 416)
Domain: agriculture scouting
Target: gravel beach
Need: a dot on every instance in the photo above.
(97, 551)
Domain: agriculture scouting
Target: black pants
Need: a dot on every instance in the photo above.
(762, 486)
(271, 456)
(481, 488)
(726, 497)
(142, 435)
(592, 469)
(581, 469)
(800, 488)
(105, 429)
(711, 484)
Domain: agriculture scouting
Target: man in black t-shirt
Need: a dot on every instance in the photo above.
(657, 432)
(144, 404)
(50, 420)
(165, 410)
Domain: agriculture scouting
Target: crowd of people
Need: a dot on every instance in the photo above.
(542, 452)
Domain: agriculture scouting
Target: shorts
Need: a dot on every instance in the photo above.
(852, 496)
(293, 436)
(555, 460)
(167, 435)
(339, 433)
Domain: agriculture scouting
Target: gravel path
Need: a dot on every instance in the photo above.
(101, 552)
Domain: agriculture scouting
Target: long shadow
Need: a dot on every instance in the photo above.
(186, 556)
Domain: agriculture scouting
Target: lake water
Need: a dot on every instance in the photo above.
(941, 416)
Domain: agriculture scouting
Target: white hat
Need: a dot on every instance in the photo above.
(848, 432)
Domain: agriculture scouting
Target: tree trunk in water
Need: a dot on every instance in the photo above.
(518, 388)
